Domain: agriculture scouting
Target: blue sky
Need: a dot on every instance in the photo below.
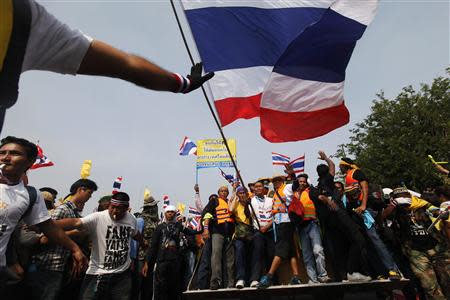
(135, 133)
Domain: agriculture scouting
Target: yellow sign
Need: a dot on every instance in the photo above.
(212, 153)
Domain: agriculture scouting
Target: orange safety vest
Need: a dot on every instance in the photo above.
(278, 205)
(308, 205)
(349, 180)
(223, 215)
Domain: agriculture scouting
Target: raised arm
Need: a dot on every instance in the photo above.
(104, 60)
(329, 162)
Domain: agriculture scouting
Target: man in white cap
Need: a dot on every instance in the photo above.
(165, 253)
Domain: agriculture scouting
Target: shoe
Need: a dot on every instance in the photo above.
(324, 279)
(254, 283)
(265, 282)
(394, 275)
(215, 285)
(382, 277)
(295, 280)
(358, 277)
(240, 284)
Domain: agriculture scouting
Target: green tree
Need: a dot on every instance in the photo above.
(392, 143)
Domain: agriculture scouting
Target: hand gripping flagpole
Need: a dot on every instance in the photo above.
(219, 126)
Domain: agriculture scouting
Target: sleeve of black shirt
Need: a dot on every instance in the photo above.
(190, 231)
(360, 176)
(152, 251)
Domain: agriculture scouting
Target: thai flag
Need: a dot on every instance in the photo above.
(229, 178)
(298, 164)
(117, 185)
(281, 61)
(166, 201)
(41, 160)
(188, 147)
(280, 159)
(194, 212)
(195, 223)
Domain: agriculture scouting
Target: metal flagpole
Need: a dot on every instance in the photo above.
(219, 126)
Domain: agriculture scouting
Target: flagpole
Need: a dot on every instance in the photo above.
(216, 120)
(219, 126)
(196, 175)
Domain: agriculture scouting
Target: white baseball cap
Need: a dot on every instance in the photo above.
(170, 208)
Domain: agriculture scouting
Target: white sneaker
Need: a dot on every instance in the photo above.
(358, 277)
(324, 279)
(240, 284)
(254, 283)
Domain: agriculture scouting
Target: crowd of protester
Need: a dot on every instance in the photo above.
(342, 228)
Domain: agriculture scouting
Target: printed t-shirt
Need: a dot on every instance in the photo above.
(52, 45)
(263, 210)
(110, 242)
(14, 201)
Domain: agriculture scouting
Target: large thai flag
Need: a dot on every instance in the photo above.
(282, 61)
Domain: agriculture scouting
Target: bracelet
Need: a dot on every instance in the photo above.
(183, 83)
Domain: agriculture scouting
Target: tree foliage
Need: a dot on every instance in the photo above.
(392, 143)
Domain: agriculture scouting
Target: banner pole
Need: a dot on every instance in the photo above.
(196, 175)
(219, 126)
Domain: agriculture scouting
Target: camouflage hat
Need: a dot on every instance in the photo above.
(150, 201)
(400, 191)
(104, 199)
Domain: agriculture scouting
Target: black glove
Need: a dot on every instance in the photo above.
(196, 79)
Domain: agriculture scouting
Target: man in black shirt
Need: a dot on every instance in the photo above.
(165, 252)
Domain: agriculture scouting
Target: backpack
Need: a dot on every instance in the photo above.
(33, 198)
(296, 211)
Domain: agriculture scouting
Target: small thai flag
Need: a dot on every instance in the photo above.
(194, 224)
(188, 147)
(194, 212)
(166, 201)
(41, 160)
(279, 159)
(298, 164)
(116, 185)
(229, 178)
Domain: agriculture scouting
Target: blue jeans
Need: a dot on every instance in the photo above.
(204, 267)
(189, 260)
(312, 250)
(109, 286)
(240, 248)
(382, 251)
(44, 285)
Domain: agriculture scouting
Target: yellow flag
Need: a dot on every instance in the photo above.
(181, 207)
(86, 169)
(147, 193)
